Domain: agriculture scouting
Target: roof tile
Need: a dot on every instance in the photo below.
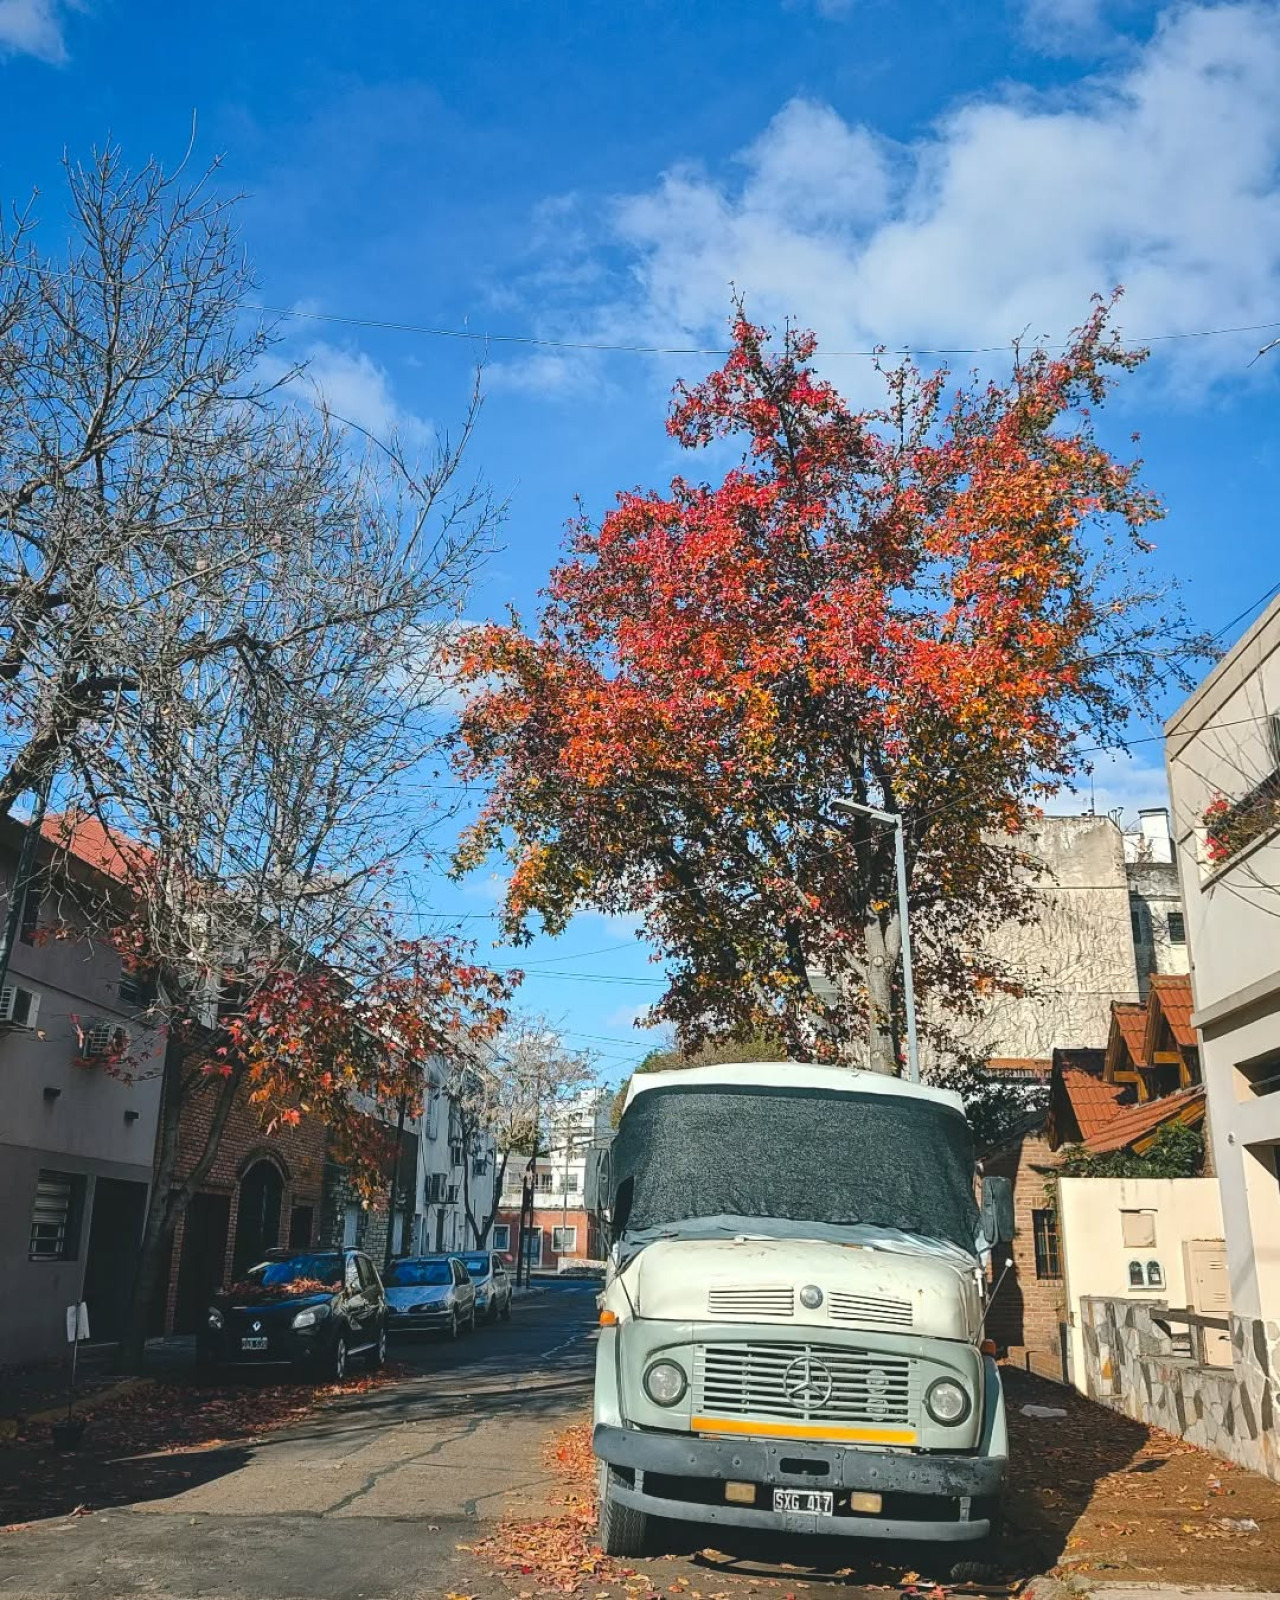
(1132, 1122)
(1094, 1102)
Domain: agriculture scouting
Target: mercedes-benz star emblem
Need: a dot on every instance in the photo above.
(807, 1382)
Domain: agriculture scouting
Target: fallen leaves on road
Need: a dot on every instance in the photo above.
(148, 1442)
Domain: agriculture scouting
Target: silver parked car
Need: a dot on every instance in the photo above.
(430, 1294)
(489, 1273)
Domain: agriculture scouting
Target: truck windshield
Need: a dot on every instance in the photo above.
(807, 1155)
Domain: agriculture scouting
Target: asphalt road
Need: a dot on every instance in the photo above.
(367, 1501)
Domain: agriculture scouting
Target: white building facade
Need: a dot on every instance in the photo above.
(1223, 753)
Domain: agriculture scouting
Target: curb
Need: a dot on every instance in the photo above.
(83, 1407)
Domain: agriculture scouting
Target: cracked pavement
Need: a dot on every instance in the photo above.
(367, 1499)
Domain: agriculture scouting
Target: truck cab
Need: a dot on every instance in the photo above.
(792, 1320)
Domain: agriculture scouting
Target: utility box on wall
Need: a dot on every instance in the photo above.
(1209, 1294)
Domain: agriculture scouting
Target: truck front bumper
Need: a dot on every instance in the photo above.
(929, 1497)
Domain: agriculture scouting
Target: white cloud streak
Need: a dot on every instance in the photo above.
(34, 28)
(1161, 174)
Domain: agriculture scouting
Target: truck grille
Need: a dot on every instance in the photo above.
(751, 1300)
(867, 1313)
(799, 1382)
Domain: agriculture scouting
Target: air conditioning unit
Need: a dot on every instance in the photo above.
(19, 1007)
(105, 1038)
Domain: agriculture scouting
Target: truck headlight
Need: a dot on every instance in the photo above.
(665, 1383)
(946, 1402)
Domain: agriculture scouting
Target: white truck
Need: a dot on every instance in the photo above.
(792, 1319)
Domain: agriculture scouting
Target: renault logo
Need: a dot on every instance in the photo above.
(807, 1382)
(257, 1327)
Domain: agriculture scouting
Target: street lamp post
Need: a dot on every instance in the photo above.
(894, 820)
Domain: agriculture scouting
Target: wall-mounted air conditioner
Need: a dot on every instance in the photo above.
(19, 1007)
(106, 1037)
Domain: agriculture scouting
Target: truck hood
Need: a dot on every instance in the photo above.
(759, 1280)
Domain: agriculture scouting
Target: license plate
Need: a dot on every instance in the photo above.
(814, 1502)
(253, 1344)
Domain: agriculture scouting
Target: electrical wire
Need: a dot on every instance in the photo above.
(535, 341)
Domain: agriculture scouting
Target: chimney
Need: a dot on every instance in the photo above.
(1156, 836)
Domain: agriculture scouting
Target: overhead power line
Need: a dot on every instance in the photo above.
(471, 336)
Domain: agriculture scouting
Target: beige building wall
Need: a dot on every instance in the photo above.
(1075, 958)
(1225, 742)
(1094, 1217)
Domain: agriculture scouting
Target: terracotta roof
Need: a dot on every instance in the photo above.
(1131, 1021)
(1171, 991)
(1040, 1065)
(1093, 1102)
(88, 840)
(1132, 1122)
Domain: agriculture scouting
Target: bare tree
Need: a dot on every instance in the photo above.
(223, 626)
(515, 1094)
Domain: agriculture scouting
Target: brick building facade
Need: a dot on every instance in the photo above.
(1028, 1313)
(262, 1191)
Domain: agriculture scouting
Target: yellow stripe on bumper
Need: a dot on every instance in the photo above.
(803, 1430)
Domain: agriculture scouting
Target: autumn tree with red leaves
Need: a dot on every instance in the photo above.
(929, 606)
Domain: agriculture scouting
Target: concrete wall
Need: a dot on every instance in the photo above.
(1096, 1258)
(1075, 958)
(1130, 1365)
(1221, 742)
(61, 1115)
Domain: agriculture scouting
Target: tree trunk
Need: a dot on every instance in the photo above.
(882, 1045)
(168, 1199)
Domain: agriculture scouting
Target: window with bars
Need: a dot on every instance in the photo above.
(55, 1216)
(564, 1240)
(546, 1182)
(502, 1236)
(1044, 1227)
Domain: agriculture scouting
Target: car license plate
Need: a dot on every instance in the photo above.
(253, 1344)
(814, 1502)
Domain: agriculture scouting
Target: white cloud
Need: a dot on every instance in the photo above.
(1121, 782)
(1062, 26)
(33, 28)
(358, 391)
(1006, 217)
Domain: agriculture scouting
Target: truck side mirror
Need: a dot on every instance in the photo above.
(997, 1210)
(599, 1197)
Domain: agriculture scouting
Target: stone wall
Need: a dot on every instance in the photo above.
(1131, 1366)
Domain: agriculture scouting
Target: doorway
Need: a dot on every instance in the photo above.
(204, 1259)
(115, 1233)
(258, 1219)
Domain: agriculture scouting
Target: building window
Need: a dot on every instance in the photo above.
(55, 1216)
(1261, 1076)
(545, 1182)
(1177, 928)
(571, 1183)
(300, 1223)
(1155, 1275)
(1044, 1226)
(564, 1240)
(1137, 922)
(351, 1226)
(30, 919)
(1136, 1279)
(502, 1236)
(137, 988)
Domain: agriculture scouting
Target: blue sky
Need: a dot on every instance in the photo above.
(906, 172)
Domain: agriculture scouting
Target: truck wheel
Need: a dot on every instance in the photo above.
(623, 1530)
